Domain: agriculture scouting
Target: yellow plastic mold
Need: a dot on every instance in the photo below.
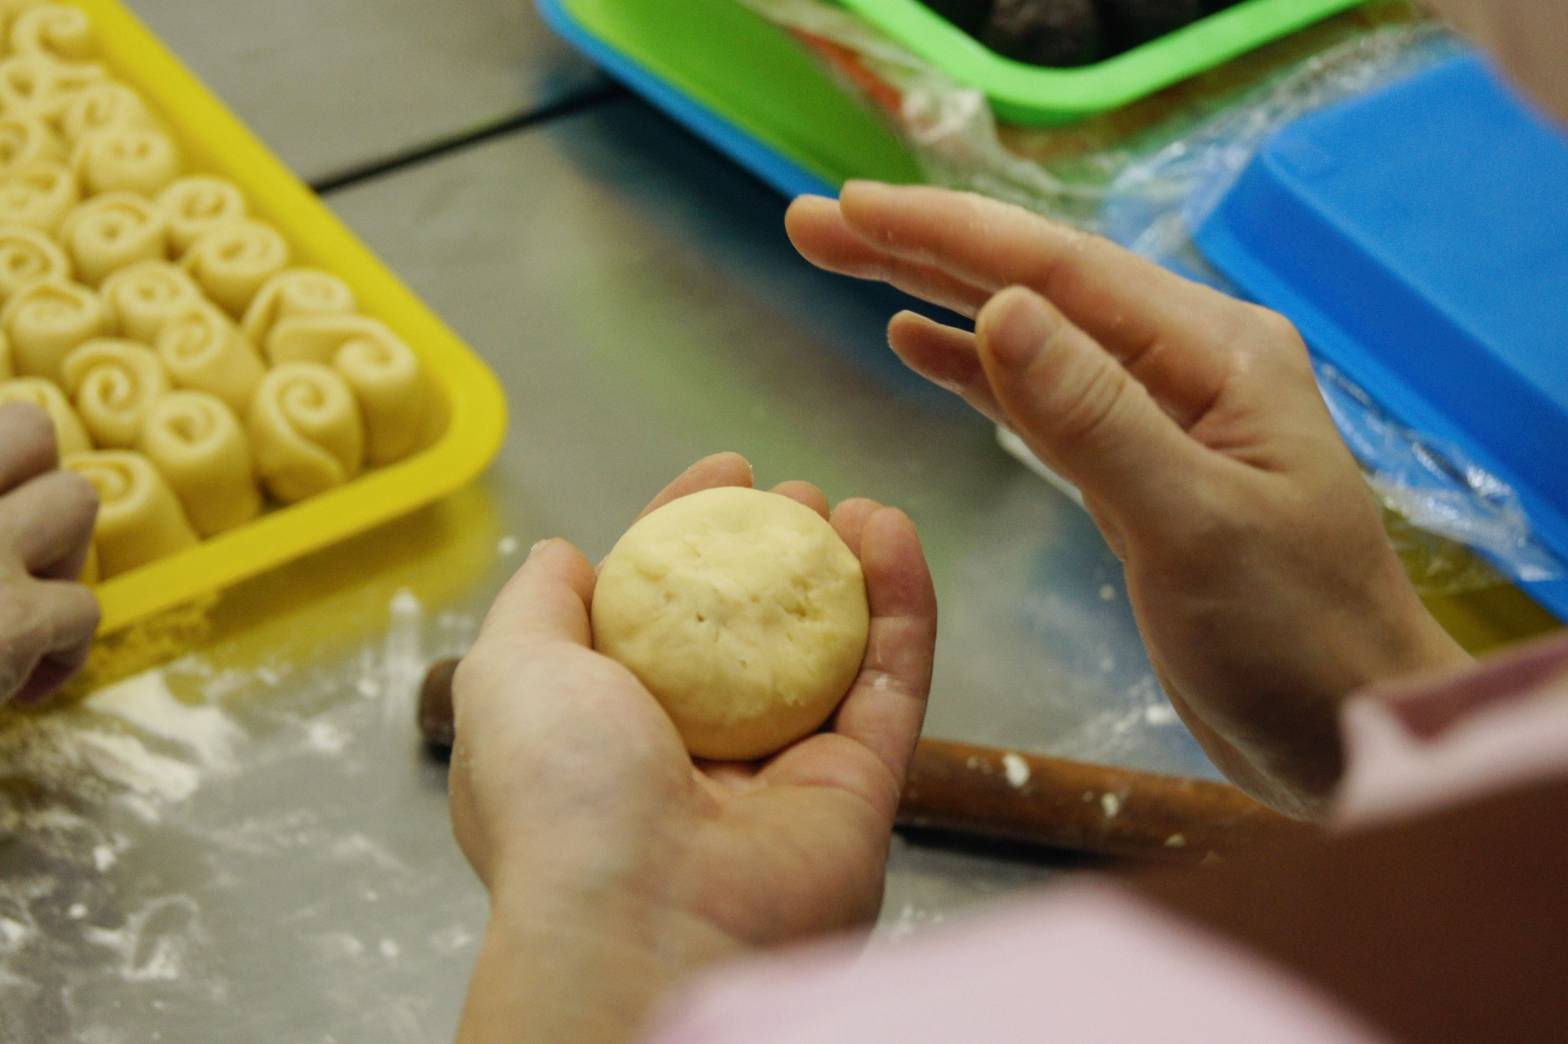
(471, 408)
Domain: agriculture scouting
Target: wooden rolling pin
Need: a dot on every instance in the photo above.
(983, 792)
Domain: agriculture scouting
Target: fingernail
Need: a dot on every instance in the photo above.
(538, 546)
(1015, 326)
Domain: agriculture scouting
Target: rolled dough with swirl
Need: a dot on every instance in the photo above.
(295, 292)
(200, 447)
(37, 194)
(91, 574)
(6, 369)
(100, 105)
(305, 431)
(38, 83)
(197, 204)
(125, 157)
(28, 138)
(54, 30)
(139, 517)
(205, 351)
(112, 230)
(69, 434)
(388, 382)
(140, 298)
(113, 384)
(45, 320)
(28, 256)
(232, 262)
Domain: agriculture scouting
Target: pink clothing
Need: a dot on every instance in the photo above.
(1095, 963)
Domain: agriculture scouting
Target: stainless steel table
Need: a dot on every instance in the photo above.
(248, 844)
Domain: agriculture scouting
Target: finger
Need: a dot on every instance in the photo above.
(48, 522)
(849, 520)
(818, 230)
(804, 493)
(27, 444)
(887, 703)
(946, 357)
(1079, 410)
(1174, 334)
(721, 469)
(67, 615)
(546, 600)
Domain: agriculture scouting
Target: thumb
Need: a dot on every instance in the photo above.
(546, 600)
(1079, 409)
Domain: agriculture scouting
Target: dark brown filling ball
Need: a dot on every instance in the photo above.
(1045, 32)
(1129, 23)
(968, 15)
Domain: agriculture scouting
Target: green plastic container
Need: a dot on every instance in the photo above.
(1032, 96)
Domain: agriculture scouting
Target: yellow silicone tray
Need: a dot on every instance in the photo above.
(470, 404)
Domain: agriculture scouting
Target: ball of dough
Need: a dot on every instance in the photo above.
(741, 611)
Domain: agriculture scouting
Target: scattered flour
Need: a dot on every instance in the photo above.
(1110, 805)
(1017, 770)
(1107, 593)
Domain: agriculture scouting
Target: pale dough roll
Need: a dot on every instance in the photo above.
(196, 205)
(113, 384)
(37, 194)
(28, 256)
(39, 84)
(28, 138)
(140, 298)
(111, 231)
(295, 292)
(305, 431)
(384, 373)
(91, 574)
(205, 351)
(69, 435)
(200, 447)
(743, 613)
(231, 262)
(100, 105)
(139, 518)
(6, 369)
(45, 320)
(55, 30)
(126, 157)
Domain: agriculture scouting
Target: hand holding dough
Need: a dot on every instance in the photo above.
(27, 138)
(111, 231)
(205, 351)
(55, 30)
(742, 612)
(28, 256)
(295, 292)
(45, 320)
(126, 157)
(69, 435)
(139, 518)
(385, 375)
(305, 430)
(106, 104)
(37, 194)
(233, 260)
(197, 204)
(198, 445)
(114, 383)
(139, 298)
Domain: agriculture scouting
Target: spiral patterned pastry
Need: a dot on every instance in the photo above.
(140, 297)
(28, 256)
(55, 30)
(45, 320)
(295, 292)
(196, 205)
(101, 105)
(111, 231)
(383, 372)
(200, 447)
(204, 351)
(28, 138)
(38, 194)
(7, 371)
(139, 517)
(126, 157)
(305, 431)
(232, 262)
(37, 83)
(69, 434)
(113, 384)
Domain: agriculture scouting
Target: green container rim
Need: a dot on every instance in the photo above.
(1035, 96)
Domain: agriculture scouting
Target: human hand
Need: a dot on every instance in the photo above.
(612, 858)
(1257, 564)
(47, 620)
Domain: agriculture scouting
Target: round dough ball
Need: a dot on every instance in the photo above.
(742, 612)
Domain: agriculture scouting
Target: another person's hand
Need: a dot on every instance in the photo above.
(613, 861)
(47, 619)
(1257, 563)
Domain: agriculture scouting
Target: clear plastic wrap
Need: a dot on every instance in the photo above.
(1149, 173)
